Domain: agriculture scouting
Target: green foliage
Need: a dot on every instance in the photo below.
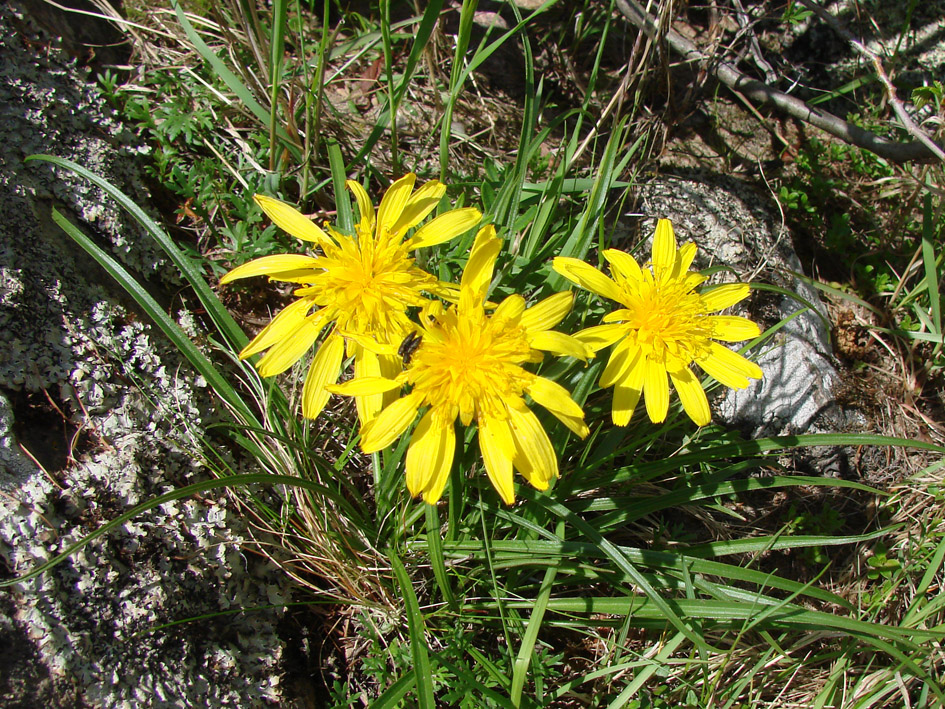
(931, 94)
(795, 14)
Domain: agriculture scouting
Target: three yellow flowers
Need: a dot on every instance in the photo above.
(461, 361)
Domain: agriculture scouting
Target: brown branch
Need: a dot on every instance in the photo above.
(912, 128)
(762, 93)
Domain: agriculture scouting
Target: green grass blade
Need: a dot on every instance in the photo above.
(931, 269)
(345, 219)
(435, 548)
(231, 332)
(394, 694)
(622, 562)
(457, 78)
(232, 81)
(522, 660)
(713, 452)
(643, 676)
(530, 552)
(276, 60)
(431, 16)
(645, 612)
(418, 641)
(170, 328)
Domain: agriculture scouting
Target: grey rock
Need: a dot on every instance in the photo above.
(108, 408)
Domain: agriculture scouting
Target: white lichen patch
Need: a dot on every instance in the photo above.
(104, 627)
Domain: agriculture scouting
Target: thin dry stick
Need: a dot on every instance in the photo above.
(912, 128)
(759, 91)
(744, 21)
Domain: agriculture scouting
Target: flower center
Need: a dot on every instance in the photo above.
(668, 321)
(471, 365)
(368, 285)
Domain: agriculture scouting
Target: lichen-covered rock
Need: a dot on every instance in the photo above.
(94, 395)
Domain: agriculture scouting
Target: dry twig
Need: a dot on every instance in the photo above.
(916, 151)
(910, 125)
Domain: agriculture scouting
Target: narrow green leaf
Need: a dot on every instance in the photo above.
(523, 658)
(224, 322)
(435, 547)
(418, 640)
(931, 269)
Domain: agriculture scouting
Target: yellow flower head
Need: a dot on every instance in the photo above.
(663, 326)
(360, 287)
(469, 365)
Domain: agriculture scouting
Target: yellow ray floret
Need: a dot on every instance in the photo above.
(469, 366)
(357, 289)
(662, 327)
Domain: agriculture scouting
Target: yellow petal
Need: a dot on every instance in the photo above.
(547, 313)
(291, 347)
(627, 393)
(430, 456)
(684, 258)
(620, 315)
(365, 386)
(724, 296)
(324, 371)
(732, 328)
(367, 365)
(664, 248)
(624, 356)
(534, 455)
(388, 425)
(445, 227)
(574, 423)
(656, 390)
(553, 397)
(586, 276)
(556, 399)
(729, 368)
(624, 264)
(478, 271)
(369, 343)
(270, 266)
(287, 321)
(511, 307)
(692, 396)
(498, 450)
(420, 204)
(560, 344)
(600, 336)
(393, 203)
(365, 208)
(292, 221)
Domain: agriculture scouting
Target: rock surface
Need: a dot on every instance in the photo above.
(97, 414)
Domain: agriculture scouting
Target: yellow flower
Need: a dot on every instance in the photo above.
(358, 287)
(469, 365)
(663, 326)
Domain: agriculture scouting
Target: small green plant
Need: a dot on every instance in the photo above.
(881, 565)
(795, 14)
